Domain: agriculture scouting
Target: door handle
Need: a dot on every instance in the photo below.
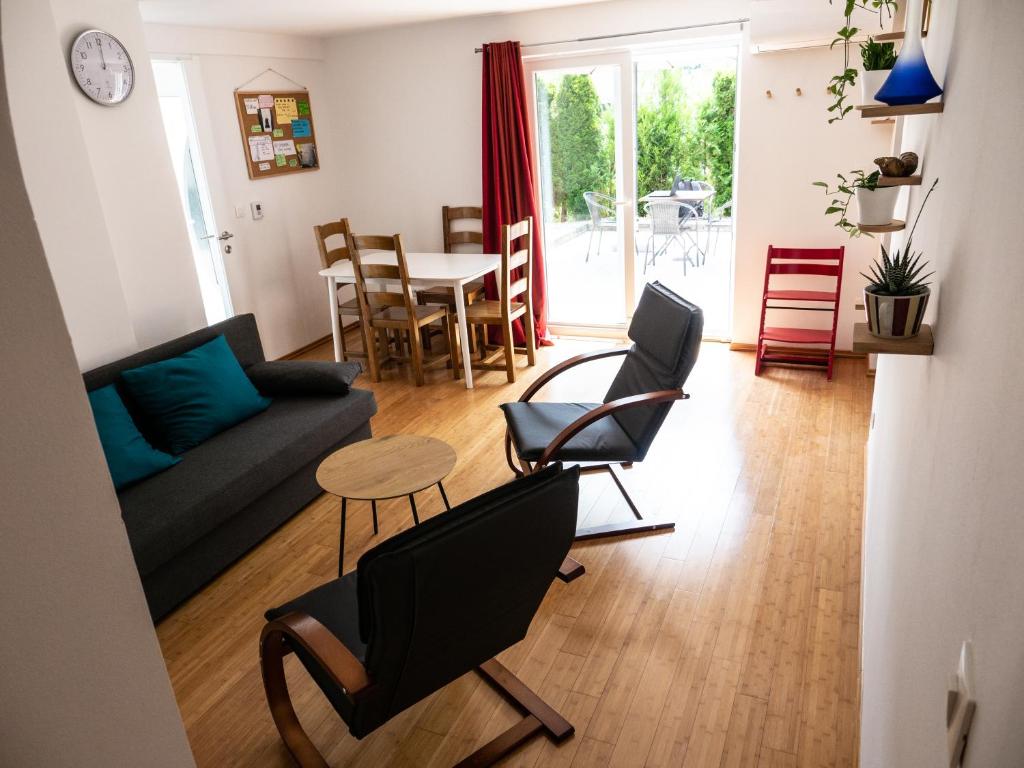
(225, 235)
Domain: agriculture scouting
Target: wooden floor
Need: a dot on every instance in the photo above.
(731, 642)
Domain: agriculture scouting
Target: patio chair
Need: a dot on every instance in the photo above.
(602, 217)
(424, 608)
(720, 218)
(677, 222)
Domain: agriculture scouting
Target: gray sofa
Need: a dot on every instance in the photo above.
(188, 523)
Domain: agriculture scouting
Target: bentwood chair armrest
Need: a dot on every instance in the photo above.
(280, 637)
(603, 411)
(565, 365)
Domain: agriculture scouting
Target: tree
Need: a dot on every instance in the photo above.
(660, 149)
(716, 126)
(578, 154)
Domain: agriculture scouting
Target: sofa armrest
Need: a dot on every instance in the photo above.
(277, 378)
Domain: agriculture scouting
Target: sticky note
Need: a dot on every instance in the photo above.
(280, 160)
(300, 129)
(303, 107)
(256, 128)
(278, 133)
(266, 101)
(252, 106)
(293, 163)
(264, 166)
(286, 147)
(285, 108)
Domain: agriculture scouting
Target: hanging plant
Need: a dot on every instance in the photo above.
(848, 77)
(842, 194)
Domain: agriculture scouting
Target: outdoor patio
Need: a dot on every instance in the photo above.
(582, 292)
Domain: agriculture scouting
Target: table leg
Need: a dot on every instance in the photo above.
(460, 311)
(336, 329)
(444, 496)
(373, 503)
(341, 540)
(412, 503)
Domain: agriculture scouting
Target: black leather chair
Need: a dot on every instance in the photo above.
(424, 608)
(666, 330)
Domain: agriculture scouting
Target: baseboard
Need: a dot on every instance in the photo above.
(738, 346)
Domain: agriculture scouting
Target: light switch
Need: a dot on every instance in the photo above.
(257, 210)
(239, 211)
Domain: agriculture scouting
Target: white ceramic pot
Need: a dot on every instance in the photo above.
(876, 206)
(870, 82)
(895, 317)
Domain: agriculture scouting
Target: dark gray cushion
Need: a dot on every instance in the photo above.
(535, 425)
(283, 378)
(661, 323)
(231, 470)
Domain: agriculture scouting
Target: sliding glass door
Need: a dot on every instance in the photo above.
(577, 111)
(635, 174)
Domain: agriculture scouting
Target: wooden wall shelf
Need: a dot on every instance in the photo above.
(884, 121)
(884, 110)
(893, 226)
(892, 37)
(899, 181)
(864, 342)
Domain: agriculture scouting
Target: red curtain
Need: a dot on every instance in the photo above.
(508, 191)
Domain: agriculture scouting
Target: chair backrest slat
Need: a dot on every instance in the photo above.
(516, 262)
(321, 232)
(453, 237)
(803, 269)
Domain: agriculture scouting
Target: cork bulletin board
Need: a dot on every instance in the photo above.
(278, 135)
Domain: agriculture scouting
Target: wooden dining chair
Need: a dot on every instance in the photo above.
(514, 301)
(330, 256)
(387, 310)
(469, 239)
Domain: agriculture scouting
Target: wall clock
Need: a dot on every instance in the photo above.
(102, 67)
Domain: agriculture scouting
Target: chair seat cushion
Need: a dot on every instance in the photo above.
(535, 425)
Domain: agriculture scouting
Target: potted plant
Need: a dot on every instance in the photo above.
(875, 204)
(838, 84)
(897, 294)
(878, 60)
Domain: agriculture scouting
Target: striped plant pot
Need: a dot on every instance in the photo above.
(895, 317)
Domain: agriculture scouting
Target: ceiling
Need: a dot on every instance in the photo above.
(325, 17)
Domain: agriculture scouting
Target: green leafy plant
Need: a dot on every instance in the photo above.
(848, 77)
(843, 192)
(900, 274)
(877, 56)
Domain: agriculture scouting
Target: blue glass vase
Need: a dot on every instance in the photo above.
(910, 81)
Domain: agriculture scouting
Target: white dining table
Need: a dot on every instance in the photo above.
(452, 270)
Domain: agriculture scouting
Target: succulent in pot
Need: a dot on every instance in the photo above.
(897, 292)
(878, 60)
(875, 204)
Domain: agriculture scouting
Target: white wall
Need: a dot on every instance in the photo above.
(944, 533)
(92, 168)
(59, 178)
(80, 669)
(411, 119)
(272, 270)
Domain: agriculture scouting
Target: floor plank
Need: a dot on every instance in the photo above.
(732, 641)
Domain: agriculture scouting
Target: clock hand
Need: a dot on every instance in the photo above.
(103, 58)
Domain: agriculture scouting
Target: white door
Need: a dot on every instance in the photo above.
(209, 244)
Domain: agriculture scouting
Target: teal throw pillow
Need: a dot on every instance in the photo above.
(194, 396)
(129, 457)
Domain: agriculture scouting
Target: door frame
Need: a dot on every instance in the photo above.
(213, 196)
(625, 170)
(625, 153)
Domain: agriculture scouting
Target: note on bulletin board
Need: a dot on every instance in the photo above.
(279, 132)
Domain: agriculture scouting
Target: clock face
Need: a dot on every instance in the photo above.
(102, 67)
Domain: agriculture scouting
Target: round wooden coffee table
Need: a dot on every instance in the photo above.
(385, 468)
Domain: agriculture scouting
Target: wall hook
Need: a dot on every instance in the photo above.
(768, 93)
(799, 92)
